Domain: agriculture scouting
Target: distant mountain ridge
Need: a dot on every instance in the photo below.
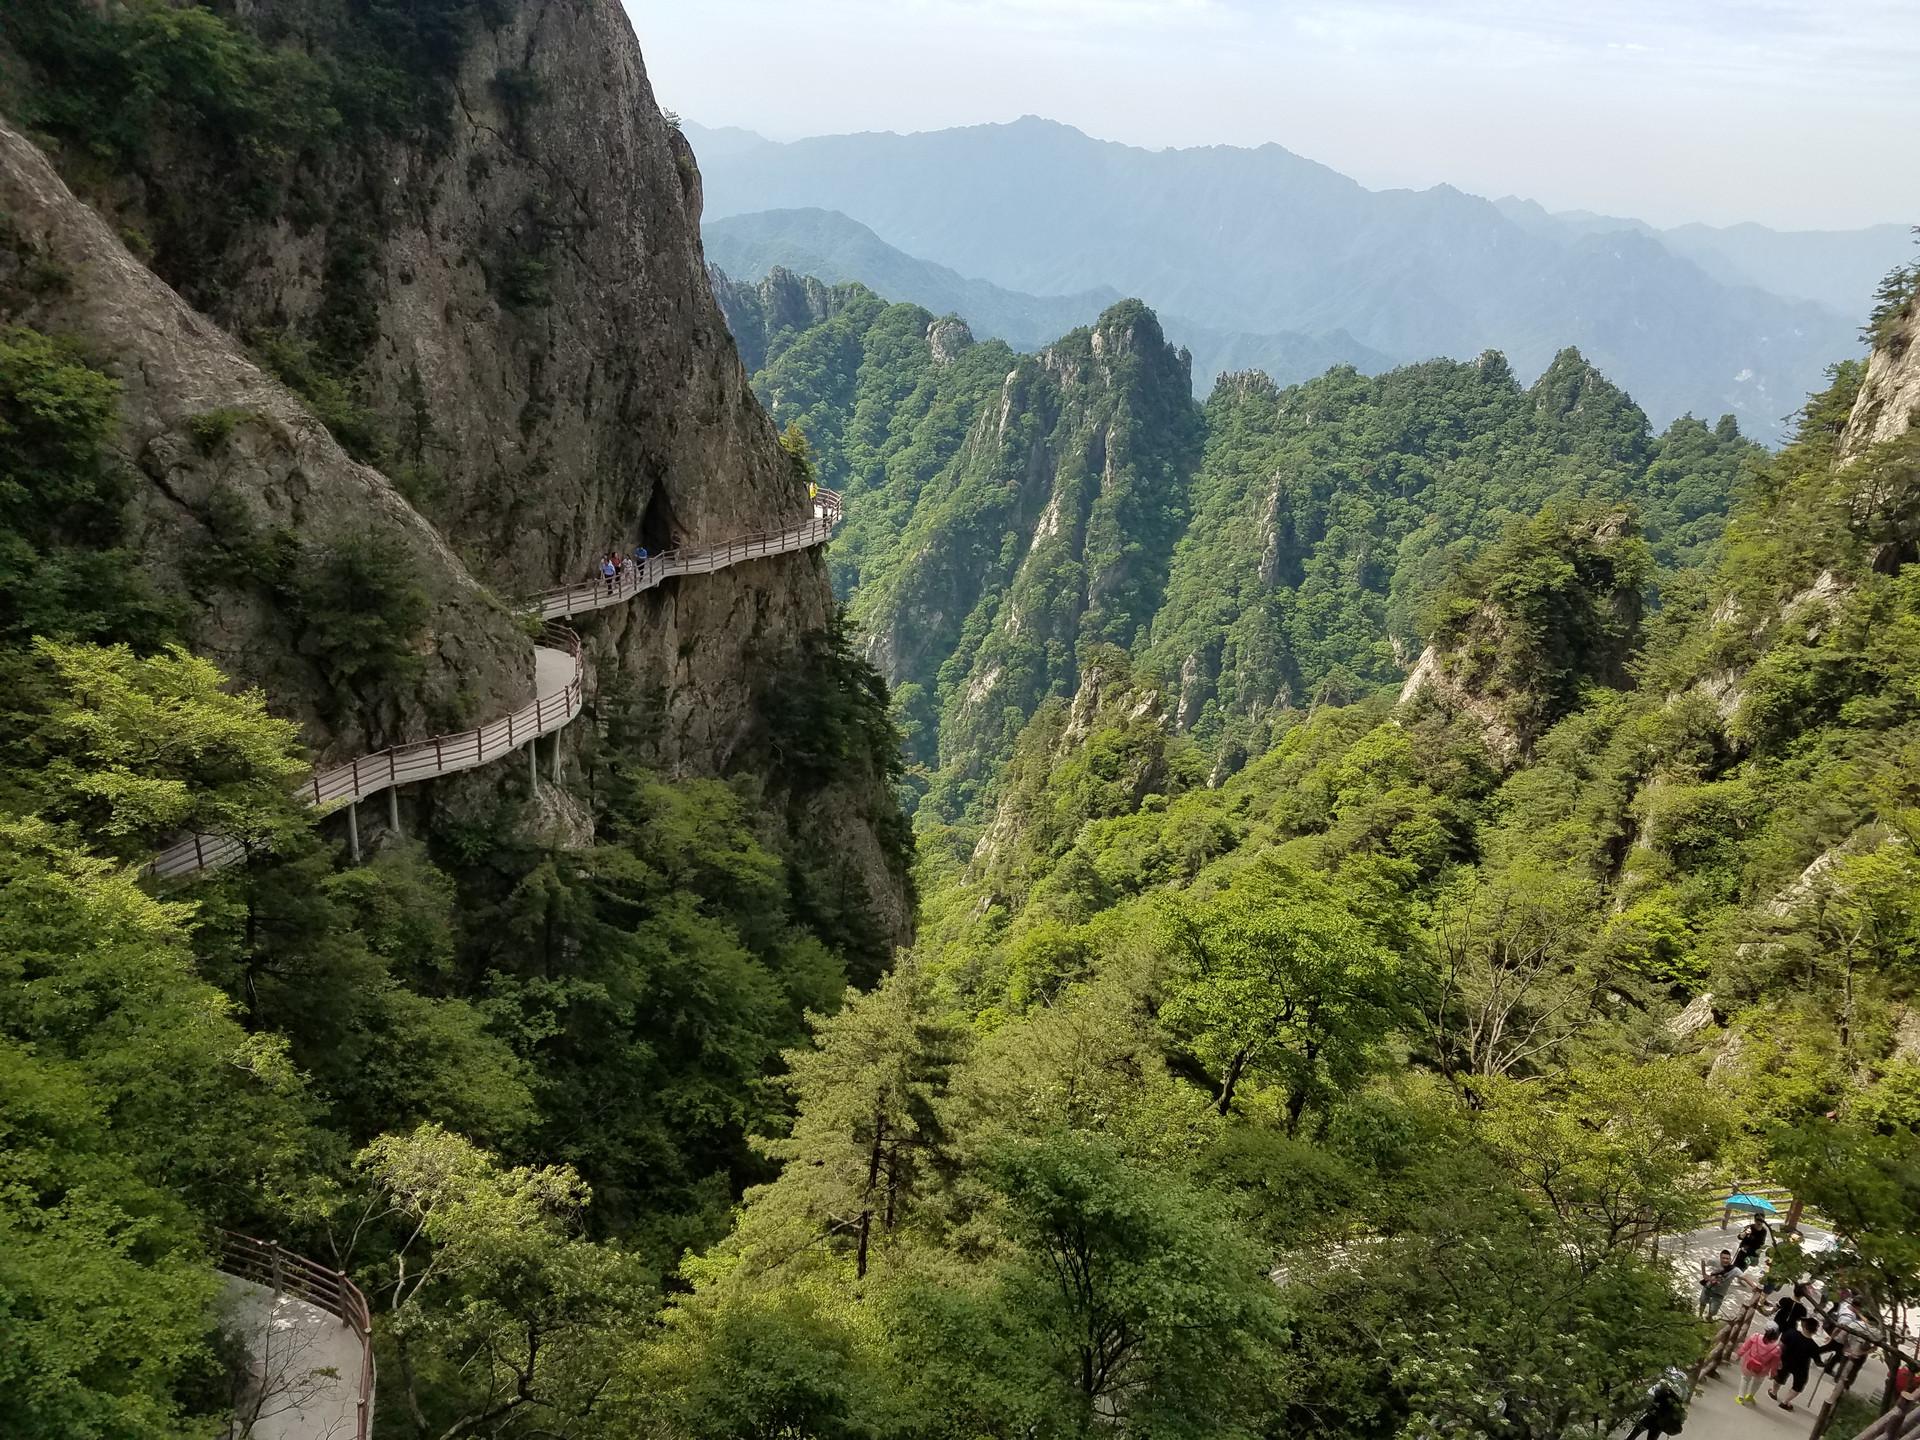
(1263, 240)
(1837, 268)
(837, 249)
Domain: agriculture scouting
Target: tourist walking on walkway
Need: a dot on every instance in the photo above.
(1794, 1308)
(1666, 1413)
(609, 572)
(1716, 1278)
(1798, 1351)
(1759, 1358)
(1752, 1241)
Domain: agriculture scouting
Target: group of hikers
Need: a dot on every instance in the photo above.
(613, 565)
(1804, 1328)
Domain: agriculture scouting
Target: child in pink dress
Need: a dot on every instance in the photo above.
(1759, 1358)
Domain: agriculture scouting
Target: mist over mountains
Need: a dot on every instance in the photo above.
(1225, 241)
(837, 249)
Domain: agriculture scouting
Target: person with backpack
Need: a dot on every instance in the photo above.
(1759, 1358)
(1666, 1411)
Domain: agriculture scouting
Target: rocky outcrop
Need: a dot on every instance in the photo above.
(1513, 659)
(274, 468)
(947, 338)
(1055, 532)
(1889, 399)
(755, 313)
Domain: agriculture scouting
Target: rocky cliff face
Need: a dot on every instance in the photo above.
(1049, 532)
(782, 301)
(1889, 399)
(275, 468)
(515, 287)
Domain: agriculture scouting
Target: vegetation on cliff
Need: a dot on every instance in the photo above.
(1374, 1061)
(1289, 549)
(1277, 1056)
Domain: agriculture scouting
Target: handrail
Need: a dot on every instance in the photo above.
(263, 1262)
(397, 765)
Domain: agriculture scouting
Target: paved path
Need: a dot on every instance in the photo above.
(553, 672)
(304, 1366)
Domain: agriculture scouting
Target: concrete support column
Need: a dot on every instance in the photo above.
(556, 757)
(393, 810)
(353, 829)
(533, 765)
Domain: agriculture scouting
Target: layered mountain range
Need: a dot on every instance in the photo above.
(1011, 514)
(1264, 242)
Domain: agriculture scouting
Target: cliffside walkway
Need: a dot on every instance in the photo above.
(309, 1342)
(559, 677)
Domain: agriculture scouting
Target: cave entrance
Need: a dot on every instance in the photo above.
(658, 525)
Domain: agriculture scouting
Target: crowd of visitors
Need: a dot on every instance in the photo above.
(1802, 1328)
(613, 565)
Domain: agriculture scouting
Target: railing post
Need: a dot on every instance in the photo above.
(199, 855)
(273, 1264)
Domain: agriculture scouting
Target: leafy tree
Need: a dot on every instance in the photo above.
(1153, 1312)
(866, 1133)
(131, 752)
(1510, 984)
(63, 570)
(1280, 978)
(1868, 1185)
(134, 1111)
(502, 1318)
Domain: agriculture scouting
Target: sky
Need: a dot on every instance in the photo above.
(1801, 114)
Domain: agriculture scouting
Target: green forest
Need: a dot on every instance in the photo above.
(1324, 1075)
(1274, 550)
(1285, 1048)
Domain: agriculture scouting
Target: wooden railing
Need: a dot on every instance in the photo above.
(397, 765)
(689, 560)
(263, 1262)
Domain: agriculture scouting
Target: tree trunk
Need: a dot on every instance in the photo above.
(1234, 1071)
(873, 1182)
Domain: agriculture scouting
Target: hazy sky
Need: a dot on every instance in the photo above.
(1797, 113)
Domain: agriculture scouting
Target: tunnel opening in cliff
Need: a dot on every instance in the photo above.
(659, 527)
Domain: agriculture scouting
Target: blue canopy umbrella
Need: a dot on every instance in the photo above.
(1759, 1203)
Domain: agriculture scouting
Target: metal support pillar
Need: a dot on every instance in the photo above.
(393, 810)
(556, 758)
(533, 765)
(353, 829)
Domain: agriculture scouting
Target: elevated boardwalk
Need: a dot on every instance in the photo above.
(559, 686)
